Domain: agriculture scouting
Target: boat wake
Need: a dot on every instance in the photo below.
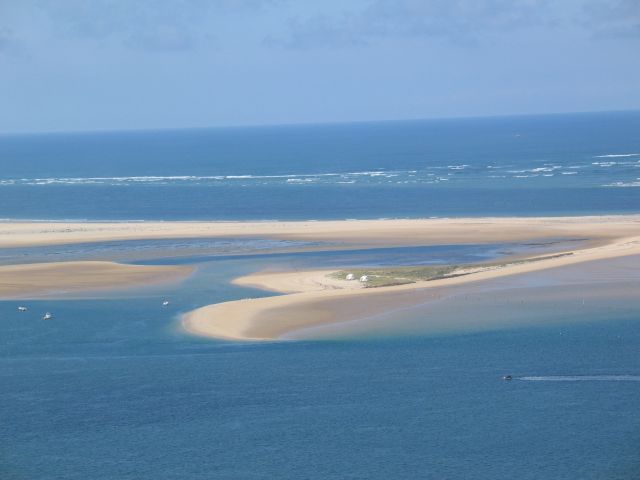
(582, 378)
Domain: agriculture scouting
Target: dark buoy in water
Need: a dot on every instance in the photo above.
(507, 377)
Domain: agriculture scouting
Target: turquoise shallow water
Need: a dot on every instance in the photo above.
(111, 388)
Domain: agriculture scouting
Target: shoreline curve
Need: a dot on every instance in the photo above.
(309, 301)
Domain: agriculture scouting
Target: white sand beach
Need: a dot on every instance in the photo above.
(346, 232)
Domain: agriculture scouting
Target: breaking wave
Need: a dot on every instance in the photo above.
(369, 176)
(582, 378)
(615, 173)
(623, 184)
(617, 155)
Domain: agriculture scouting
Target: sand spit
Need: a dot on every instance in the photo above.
(311, 299)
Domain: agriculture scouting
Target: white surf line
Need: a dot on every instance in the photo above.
(581, 378)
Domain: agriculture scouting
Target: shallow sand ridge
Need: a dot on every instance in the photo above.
(58, 278)
(347, 232)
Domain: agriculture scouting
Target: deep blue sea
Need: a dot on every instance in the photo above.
(538, 165)
(113, 389)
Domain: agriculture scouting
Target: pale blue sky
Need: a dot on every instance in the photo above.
(109, 64)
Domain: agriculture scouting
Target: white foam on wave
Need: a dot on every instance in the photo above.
(545, 169)
(428, 175)
(457, 167)
(616, 155)
(582, 378)
(624, 184)
(195, 179)
(299, 180)
(105, 180)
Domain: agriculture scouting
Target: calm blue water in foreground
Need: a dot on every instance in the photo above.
(112, 389)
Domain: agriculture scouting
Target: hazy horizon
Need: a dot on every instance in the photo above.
(319, 124)
(150, 65)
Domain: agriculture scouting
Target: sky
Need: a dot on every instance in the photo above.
(75, 65)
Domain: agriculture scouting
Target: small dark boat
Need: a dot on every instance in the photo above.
(507, 377)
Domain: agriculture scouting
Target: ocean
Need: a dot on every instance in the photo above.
(112, 389)
(539, 165)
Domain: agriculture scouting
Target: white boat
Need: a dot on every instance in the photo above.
(165, 303)
(47, 316)
(22, 309)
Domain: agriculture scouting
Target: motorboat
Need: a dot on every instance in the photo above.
(47, 316)
(165, 303)
(507, 377)
(22, 308)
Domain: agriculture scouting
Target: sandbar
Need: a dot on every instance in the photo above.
(311, 299)
(63, 278)
(383, 232)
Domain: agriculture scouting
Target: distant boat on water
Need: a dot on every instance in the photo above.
(22, 308)
(47, 316)
(165, 303)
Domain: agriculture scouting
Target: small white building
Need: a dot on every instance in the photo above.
(364, 278)
(350, 276)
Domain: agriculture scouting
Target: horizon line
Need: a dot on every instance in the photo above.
(307, 124)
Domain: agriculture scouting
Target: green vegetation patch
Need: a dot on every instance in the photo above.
(388, 276)
(384, 277)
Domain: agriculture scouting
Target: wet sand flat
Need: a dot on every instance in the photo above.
(59, 278)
